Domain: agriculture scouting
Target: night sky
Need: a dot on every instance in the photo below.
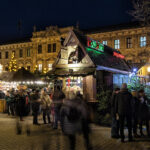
(42, 13)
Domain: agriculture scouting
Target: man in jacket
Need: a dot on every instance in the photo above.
(115, 122)
(35, 100)
(124, 110)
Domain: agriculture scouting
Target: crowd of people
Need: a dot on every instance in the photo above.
(69, 109)
(72, 112)
(132, 109)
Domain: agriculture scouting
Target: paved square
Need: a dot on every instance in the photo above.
(43, 137)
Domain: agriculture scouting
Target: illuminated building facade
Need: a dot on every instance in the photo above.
(37, 52)
(41, 50)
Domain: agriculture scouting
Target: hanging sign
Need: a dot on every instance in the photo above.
(95, 45)
(118, 55)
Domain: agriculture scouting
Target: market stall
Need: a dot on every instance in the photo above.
(84, 65)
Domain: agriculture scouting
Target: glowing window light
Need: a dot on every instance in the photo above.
(1, 68)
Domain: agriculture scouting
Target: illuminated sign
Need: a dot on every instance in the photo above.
(95, 45)
(118, 55)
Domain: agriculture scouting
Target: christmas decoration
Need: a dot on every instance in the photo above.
(12, 63)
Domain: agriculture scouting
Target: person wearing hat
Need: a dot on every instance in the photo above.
(124, 111)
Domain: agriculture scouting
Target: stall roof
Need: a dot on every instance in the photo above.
(103, 58)
(106, 59)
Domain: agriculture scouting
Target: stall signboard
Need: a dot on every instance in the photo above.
(95, 45)
(118, 55)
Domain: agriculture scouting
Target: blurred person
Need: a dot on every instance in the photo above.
(20, 104)
(115, 121)
(135, 113)
(8, 100)
(58, 97)
(12, 102)
(35, 103)
(46, 106)
(143, 112)
(74, 120)
(124, 111)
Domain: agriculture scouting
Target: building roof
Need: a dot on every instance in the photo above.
(106, 58)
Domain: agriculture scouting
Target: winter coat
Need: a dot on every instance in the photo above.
(135, 107)
(35, 102)
(74, 117)
(20, 105)
(58, 97)
(46, 102)
(124, 103)
(8, 99)
(143, 109)
(113, 102)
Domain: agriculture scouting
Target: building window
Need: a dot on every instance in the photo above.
(143, 61)
(49, 67)
(54, 47)
(28, 52)
(40, 67)
(129, 42)
(117, 44)
(0, 55)
(104, 42)
(39, 49)
(6, 55)
(143, 41)
(20, 53)
(1, 68)
(49, 48)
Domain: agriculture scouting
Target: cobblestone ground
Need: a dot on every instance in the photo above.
(43, 137)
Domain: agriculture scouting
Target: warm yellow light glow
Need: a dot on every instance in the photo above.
(148, 69)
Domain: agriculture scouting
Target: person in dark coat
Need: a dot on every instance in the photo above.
(20, 104)
(74, 120)
(124, 111)
(135, 113)
(115, 122)
(35, 101)
(58, 97)
(143, 112)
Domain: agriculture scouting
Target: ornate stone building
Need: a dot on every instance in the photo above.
(131, 40)
(40, 51)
